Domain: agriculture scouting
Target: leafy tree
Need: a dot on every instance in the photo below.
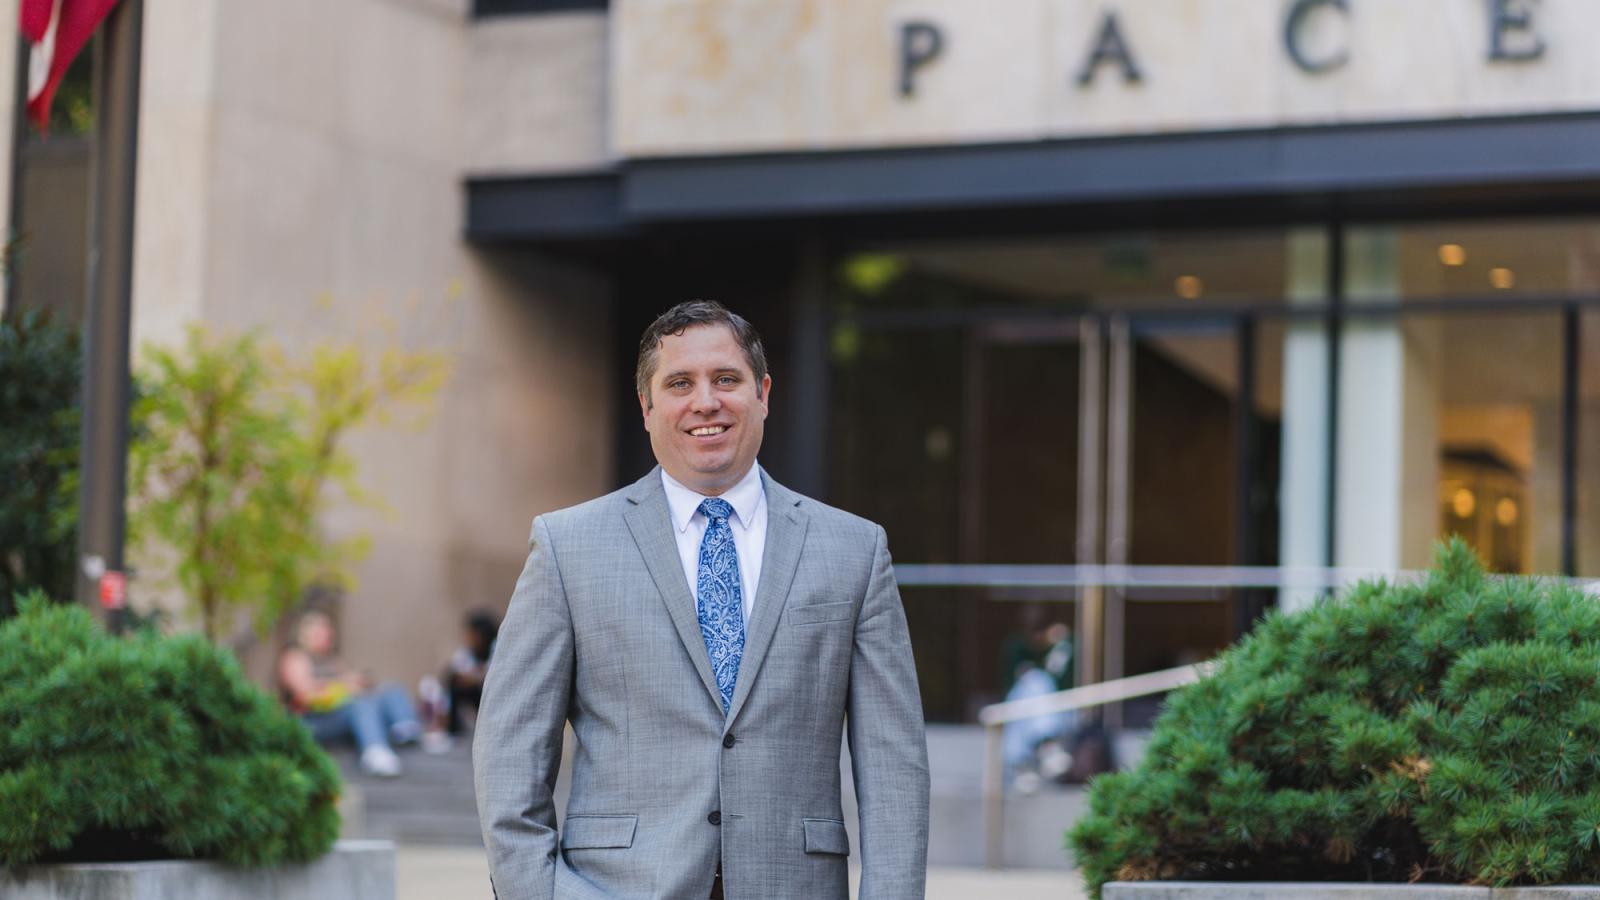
(40, 375)
(341, 387)
(213, 472)
(240, 448)
(1442, 731)
(148, 746)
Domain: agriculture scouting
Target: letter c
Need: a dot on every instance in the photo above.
(1291, 36)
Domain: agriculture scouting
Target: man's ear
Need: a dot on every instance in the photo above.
(644, 411)
(765, 392)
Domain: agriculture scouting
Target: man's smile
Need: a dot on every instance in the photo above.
(708, 430)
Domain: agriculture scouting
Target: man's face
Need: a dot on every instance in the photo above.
(705, 411)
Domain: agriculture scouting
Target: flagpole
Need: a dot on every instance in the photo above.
(104, 452)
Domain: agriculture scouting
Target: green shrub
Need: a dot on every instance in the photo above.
(1442, 731)
(40, 367)
(116, 748)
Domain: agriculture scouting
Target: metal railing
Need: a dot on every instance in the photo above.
(995, 717)
(1076, 576)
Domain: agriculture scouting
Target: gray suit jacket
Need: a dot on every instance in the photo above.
(602, 633)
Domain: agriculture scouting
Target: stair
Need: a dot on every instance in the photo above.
(433, 803)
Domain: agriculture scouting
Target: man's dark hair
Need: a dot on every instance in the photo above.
(689, 314)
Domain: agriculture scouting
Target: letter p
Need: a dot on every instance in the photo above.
(920, 44)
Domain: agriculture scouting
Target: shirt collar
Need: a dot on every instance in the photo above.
(745, 497)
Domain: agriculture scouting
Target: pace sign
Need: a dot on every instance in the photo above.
(728, 76)
(1509, 27)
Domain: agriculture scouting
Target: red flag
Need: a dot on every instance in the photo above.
(36, 16)
(56, 31)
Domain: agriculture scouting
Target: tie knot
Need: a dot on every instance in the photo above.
(716, 508)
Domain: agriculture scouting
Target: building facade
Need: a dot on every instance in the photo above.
(1221, 285)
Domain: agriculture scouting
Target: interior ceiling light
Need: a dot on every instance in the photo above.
(1502, 278)
(1189, 287)
(1505, 512)
(1452, 254)
(1463, 504)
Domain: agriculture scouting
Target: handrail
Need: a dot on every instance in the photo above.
(995, 717)
(1093, 575)
(1093, 694)
(986, 575)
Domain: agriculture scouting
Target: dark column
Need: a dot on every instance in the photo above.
(1335, 325)
(1248, 601)
(19, 135)
(1572, 354)
(103, 459)
(807, 389)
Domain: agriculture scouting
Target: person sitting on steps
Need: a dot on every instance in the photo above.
(336, 702)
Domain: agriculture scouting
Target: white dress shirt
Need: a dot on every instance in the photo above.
(748, 523)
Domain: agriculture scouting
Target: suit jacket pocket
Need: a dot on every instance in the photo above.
(596, 832)
(817, 613)
(826, 836)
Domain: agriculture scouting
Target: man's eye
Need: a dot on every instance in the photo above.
(675, 385)
(727, 379)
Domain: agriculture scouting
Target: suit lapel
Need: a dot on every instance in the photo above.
(786, 534)
(651, 526)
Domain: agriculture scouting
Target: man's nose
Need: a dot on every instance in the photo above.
(705, 399)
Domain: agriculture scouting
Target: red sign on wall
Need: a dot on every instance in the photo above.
(113, 590)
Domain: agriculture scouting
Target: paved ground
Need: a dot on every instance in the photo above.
(461, 873)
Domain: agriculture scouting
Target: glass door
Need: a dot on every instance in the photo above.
(992, 404)
(1189, 484)
(1023, 489)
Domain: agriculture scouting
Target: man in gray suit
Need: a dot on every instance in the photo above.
(710, 635)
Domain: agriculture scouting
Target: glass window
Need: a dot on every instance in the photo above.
(72, 109)
(961, 443)
(1181, 491)
(896, 437)
(1459, 410)
(1451, 426)
(49, 255)
(958, 402)
(1499, 437)
(1131, 271)
(1497, 259)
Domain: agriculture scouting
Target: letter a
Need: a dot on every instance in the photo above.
(1110, 47)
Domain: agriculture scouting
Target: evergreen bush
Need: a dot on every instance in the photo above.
(40, 367)
(148, 746)
(1441, 731)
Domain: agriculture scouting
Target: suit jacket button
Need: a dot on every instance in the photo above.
(729, 740)
(715, 818)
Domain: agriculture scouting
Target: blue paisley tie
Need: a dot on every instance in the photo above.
(718, 598)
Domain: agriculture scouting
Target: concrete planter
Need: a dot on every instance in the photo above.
(357, 870)
(1305, 890)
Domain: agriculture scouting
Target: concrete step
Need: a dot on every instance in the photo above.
(433, 802)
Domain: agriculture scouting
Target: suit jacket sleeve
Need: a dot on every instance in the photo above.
(888, 743)
(516, 750)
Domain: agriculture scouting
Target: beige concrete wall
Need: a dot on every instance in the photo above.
(539, 94)
(715, 76)
(177, 105)
(303, 177)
